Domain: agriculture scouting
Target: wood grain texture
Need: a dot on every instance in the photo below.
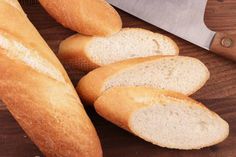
(224, 45)
(219, 93)
(119, 143)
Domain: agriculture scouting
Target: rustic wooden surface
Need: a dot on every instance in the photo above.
(219, 94)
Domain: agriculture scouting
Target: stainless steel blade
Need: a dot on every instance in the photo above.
(184, 18)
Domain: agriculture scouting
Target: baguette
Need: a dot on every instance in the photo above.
(177, 73)
(87, 53)
(90, 17)
(164, 118)
(37, 91)
(15, 4)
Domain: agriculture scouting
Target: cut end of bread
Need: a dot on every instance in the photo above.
(162, 117)
(181, 74)
(178, 124)
(129, 43)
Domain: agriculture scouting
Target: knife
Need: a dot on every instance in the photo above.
(183, 18)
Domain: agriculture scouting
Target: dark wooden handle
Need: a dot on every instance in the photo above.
(225, 45)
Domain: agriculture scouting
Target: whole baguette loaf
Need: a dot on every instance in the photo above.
(177, 73)
(37, 91)
(164, 118)
(90, 17)
(87, 53)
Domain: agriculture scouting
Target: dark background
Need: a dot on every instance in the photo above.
(219, 94)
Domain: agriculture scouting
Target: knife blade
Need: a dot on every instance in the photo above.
(183, 18)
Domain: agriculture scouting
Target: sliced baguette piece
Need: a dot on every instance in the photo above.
(90, 17)
(37, 91)
(164, 118)
(87, 53)
(177, 73)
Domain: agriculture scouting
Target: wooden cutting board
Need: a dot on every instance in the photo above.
(219, 94)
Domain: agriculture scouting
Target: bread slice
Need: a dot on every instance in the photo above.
(90, 17)
(164, 118)
(87, 53)
(177, 73)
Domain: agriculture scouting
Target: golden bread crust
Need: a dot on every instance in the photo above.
(89, 17)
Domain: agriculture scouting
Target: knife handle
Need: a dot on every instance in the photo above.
(225, 45)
